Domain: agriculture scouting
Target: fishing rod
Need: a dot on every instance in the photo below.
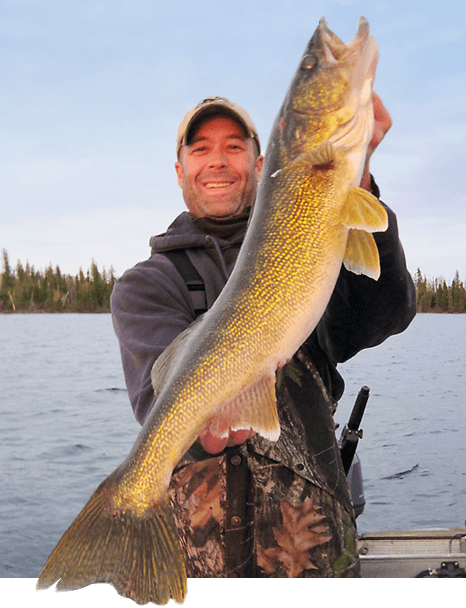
(351, 433)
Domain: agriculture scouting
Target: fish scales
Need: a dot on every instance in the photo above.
(308, 219)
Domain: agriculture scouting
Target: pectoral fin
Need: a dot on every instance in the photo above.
(254, 407)
(322, 155)
(363, 214)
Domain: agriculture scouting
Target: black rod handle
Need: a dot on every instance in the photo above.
(358, 409)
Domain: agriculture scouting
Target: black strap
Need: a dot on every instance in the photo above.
(191, 277)
(239, 514)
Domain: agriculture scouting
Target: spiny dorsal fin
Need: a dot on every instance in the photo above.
(165, 361)
(254, 407)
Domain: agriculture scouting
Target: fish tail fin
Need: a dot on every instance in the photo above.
(138, 554)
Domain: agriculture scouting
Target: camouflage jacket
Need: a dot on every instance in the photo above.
(272, 509)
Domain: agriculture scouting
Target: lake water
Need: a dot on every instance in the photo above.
(66, 423)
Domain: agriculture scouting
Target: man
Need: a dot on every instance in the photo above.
(245, 506)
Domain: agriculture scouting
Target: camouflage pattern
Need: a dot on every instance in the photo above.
(267, 509)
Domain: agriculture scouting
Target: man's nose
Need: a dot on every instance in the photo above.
(218, 159)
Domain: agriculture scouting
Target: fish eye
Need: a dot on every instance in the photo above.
(307, 62)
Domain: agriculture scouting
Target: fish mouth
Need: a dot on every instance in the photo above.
(362, 44)
(333, 94)
(359, 56)
(326, 53)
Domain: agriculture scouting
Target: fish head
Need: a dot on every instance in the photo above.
(330, 98)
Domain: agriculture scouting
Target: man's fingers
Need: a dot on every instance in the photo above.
(382, 122)
(213, 444)
(238, 437)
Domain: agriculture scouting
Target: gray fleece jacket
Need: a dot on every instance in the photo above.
(151, 304)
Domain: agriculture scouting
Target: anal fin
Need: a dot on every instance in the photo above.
(254, 407)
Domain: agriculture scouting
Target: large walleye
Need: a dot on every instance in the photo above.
(309, 217)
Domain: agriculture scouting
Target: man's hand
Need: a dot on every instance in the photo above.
(382, 123)
(213, 444)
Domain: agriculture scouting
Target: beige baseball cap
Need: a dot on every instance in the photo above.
(215, 105)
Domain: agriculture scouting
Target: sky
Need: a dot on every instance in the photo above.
(93, 92)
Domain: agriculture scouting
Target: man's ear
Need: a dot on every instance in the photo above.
(179, 173)
(259, 166)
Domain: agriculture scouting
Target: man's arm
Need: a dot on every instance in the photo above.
(382, 124)
(150, 307)
(363, 312)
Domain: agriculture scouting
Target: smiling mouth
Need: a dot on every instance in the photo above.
(211, 185)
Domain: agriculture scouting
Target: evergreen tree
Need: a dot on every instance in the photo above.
(96, 287)
(458, 295)
(7, 284)
(437, 296)
(442, 297)
(27, 290)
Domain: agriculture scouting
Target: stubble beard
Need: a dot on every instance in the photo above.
(201, 205)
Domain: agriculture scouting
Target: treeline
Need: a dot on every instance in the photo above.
(435, 295)
(24, 289)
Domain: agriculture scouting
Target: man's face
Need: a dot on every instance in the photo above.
(218, 171)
